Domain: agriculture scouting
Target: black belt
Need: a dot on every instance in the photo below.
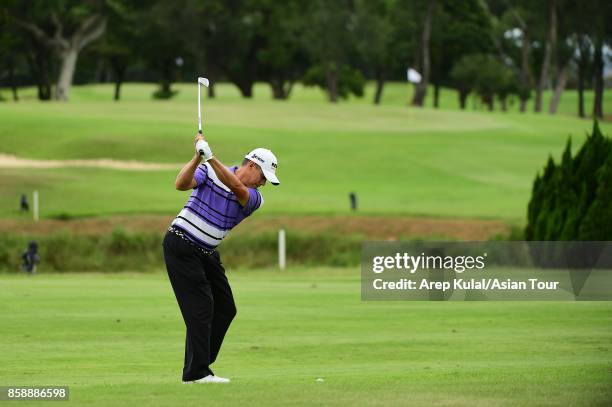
(181, 234)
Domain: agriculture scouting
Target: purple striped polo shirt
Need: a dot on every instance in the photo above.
(213, 210)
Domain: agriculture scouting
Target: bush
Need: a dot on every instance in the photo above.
(573, 200)
(164, 94)
(350, 80)
(123, 251)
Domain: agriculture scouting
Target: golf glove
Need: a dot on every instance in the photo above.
(204, 150)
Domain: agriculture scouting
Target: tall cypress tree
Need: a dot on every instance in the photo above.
(573, 200)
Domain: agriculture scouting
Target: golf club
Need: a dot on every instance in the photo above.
(205, 82)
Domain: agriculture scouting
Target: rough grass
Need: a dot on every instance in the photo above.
(399, 160)
(121, 250)
(118, 340)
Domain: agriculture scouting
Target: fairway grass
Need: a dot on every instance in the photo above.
(399, 160)
(117, 339)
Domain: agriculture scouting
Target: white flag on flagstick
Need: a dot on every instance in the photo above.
(413, 75)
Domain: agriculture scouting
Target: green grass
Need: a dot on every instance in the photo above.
(400, 160)
(118, 340)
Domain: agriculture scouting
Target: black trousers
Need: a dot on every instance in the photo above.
(205, 299)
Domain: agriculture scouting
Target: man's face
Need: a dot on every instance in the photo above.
(252, 176)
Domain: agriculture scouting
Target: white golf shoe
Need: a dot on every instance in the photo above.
(210, 379)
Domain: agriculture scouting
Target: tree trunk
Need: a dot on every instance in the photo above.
(119, 75)
(331, 77)
(421, 88)
(551, 43)
(38, 59)
(69, 59)
(560, 86)
(289, 89)
(503, 102)
(380, 83)
(278, 89)
(525, 76)
(100, 75)
(118, 65)
(580, 89)
(598, 65)
(117, 96)
(463, 94)
(246, 88)
(211, 74)
(436, 101)
(166, 78)
(88, 30)
(12, 83)
(166, 87)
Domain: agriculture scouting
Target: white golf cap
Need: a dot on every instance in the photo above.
(267, 161)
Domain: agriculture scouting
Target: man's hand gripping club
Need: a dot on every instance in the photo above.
(202, 148)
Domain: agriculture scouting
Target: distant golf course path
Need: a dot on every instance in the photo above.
(11, 161)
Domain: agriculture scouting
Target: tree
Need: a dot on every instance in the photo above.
(120, 45)
(163, 31)
(405, 28)
(486, 75)
(526, 78)
(66, 27)
(597, 223)
(227, 39)
(205, 25)
(281, 60)
(462, 28)
(348, 81)
(551, 43)
(373, 38)
(493, 78)
(601, 32)
(507, 84)
(464, 76)
(10, 57)
(421, 88)
(583, 62)
(244, 31)
(38, 55)
(520, 21)
(580, 19)
(329, 39)
(571, 201)
(563, 57)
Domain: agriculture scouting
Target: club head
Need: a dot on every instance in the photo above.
(203, 81)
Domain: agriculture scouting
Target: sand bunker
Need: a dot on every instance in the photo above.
(11, 161)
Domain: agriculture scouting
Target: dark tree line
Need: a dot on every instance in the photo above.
(496, 50)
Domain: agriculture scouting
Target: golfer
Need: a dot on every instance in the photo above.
(222, 197)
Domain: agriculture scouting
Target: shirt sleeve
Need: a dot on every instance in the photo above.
(254, 202)
(200, 175)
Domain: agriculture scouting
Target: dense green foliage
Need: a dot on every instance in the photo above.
(123, 251)
(573, 200)
(330, 44)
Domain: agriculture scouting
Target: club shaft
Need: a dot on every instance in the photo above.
(199, 109)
